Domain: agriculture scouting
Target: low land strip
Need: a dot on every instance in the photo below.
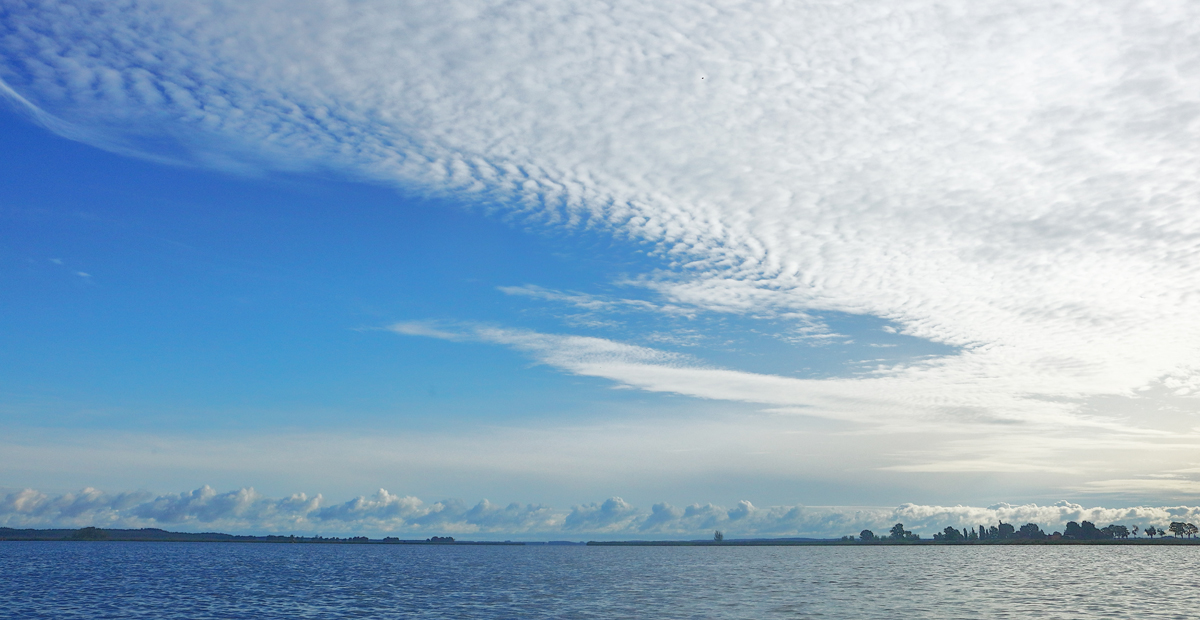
(158, 535)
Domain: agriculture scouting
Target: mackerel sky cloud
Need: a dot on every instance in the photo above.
(1014, 183)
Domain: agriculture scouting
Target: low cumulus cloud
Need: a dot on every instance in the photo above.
(614, 515)
(384, 513)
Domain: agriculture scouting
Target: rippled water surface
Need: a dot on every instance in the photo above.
(222, 580)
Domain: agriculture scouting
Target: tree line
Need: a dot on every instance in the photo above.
(1085, 530)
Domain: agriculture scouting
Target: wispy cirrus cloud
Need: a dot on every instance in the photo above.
(984, 428)
(588, 301)
(875, 398)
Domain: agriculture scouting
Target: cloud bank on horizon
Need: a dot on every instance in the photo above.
(246, 510)
(1014, 179)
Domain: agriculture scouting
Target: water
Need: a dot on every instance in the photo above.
(196, 581)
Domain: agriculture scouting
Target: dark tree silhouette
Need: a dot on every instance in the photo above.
(1030, 530)
(866, 535)
(1116, 531)
(1084, 531)
(90, 533)
(949, 535)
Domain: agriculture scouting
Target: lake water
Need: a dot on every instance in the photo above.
(197, 581)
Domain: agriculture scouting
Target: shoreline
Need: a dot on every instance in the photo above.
(915, 543)
(92, 534)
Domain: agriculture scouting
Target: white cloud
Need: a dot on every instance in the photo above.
(245, 510)
(206, 507)
(1017, 179)
(384, 511)
(962, 429)
(586, 301)
(614, 515)
(876, 398)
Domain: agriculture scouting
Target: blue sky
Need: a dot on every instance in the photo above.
(216, 300)
(148, 296)
(856, 255)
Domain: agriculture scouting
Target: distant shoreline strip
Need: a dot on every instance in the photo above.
(92, 534)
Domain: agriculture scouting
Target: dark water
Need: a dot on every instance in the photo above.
(212, 580)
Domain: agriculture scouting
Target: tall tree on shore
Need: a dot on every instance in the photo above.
(1030, 530)
(1116, 531)
(950, 534)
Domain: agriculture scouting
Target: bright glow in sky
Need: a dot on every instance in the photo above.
(819, 253)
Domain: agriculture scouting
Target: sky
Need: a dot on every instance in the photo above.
(620, 269)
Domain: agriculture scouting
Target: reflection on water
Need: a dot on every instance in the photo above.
(219, 580)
